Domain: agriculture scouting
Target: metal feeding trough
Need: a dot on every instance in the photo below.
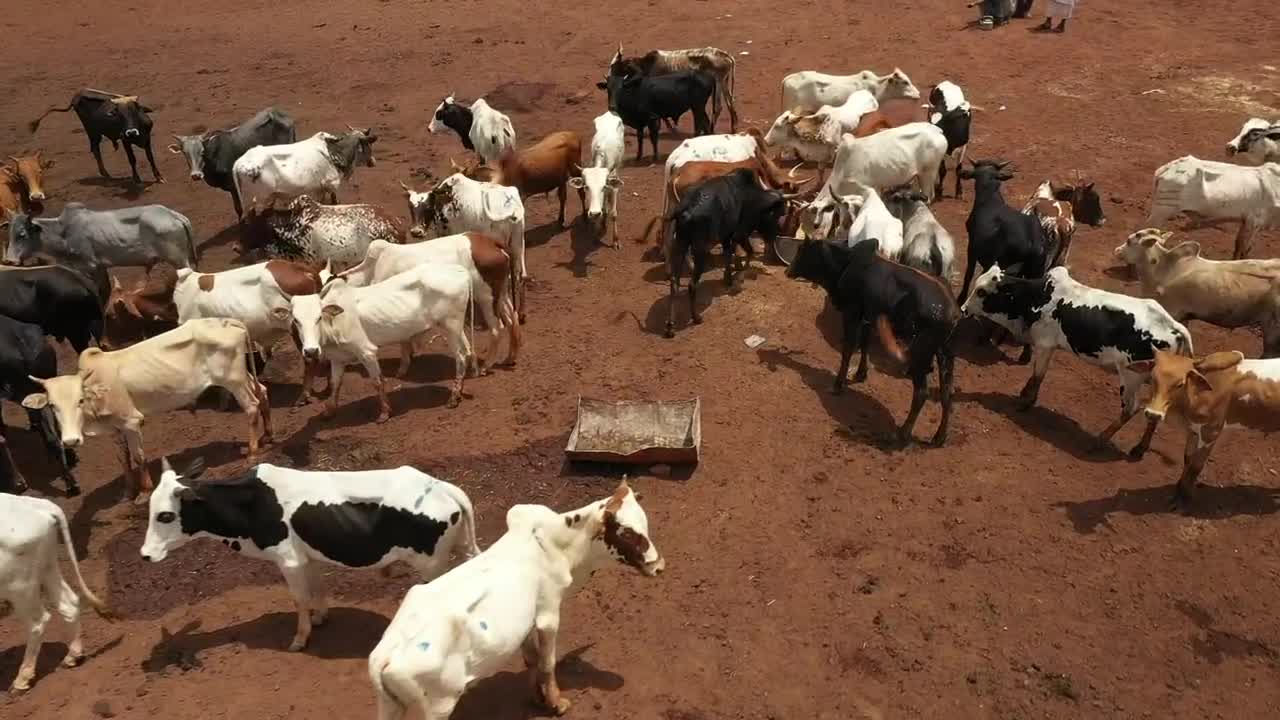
(785, 248)
(637, 432)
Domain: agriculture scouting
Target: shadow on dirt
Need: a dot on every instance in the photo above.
(51, 655)
(510, 696)
(1210, 503)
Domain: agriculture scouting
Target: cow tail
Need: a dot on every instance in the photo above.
(471, 324)
(98, 606)
(935, 260)
(887, 339)
(394, 689)
(192, 249)
(35, 124)
(467, 521)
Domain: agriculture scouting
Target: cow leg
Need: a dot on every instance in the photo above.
(336, 371)
(1271, 336)
(235, 201)
(295, 576)
(699, 263)
(562, 194)
(151, 158)
(653, 138)
(938, 192)
(1244, 239)
(95, 147)
(1130, 383)
(864, 344)
(406, 358)
(640, 143)
(319, 603)
(702, 125)
(1040, 357)
(960, 164)
(946, 382)
(133, 440)
(456, 332)
(850, 337)
(547, 628)
(6, 462)
(970, 263)
(370, 362)
(1200, 443)
(133, 163)
(251, 396)
(728, 248)
(919, 393)
(37, 620)
(674, 267)
(68, 608)
(126, 463)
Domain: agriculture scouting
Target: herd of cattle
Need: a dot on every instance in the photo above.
(345, 281)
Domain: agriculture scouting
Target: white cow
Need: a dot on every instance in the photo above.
(315, 166)
(601, 181)
(459, 204)
(855, 218)
(810, 90)
(1258, 140)
(350, 324)
(887, 159)
(482, 128)
(814, 137)
(483, 257)
(29, 575)
(468, 623)
(926, 244)
(1217, 190)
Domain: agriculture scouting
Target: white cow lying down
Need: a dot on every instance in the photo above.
(29, 575)
(466, 624)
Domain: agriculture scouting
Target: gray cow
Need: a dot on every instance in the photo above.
(92, 240)
(211, 156)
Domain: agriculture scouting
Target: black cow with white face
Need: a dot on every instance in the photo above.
(999, 233)
(293, 518)
(211, 156)
(24, 353)
(118, 118)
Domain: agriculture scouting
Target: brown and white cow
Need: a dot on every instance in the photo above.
(1057, 218)
(21, 186)
(137, 313)
(540, 168)
(119, 390)
(1208, 395)
(309, 232)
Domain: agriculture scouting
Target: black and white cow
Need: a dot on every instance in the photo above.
(294, 518)
(1102, 328)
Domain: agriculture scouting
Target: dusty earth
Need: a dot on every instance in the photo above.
(813, 571)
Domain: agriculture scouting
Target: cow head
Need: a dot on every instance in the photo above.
(306, 312)
(134, 314)
(818, 262)
(1180, 382)
(597, 182)
(782, 130)
(1145, 247)
(1086, 204)
(624, 532)
(897, 85)
(29, 171)
(134, 119)
(349, 151)
(987, 175)
(25, 239)
(164, 518)
(989, 299)
(1253, 129)
(71, 400)
(190, 147)
(900, 200)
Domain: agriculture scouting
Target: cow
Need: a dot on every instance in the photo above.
(903, 303)
(29, 576)
(308, 232)
(63, 302)
(482, 129)
(738, 147)
(22, 186)
(212, 155)
(295, 518)
(1057, 219)
(350, 324)
(544, 166)
(926, 243)
(11, 480)
(724, 210)
(119, 390)
(23, 353)
(1209, 395)
(1086, 204)
(118, 118)
(951, 112)
(259, 297)
(315, 166)
(1258, 141)
(999, 234)
(459, 204)
(487, 262)
(814, 137)
(1216, 190)
(1102, 328)
(600, 181)
(1230, 294)
(810, 90)
(891, 113)
(852, 219)
(468, 623)
(144, 310)
(712, 61)
(94, 240)
(643, 100)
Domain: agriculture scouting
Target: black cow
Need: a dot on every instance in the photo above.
(24, 353)
(212, 155)
(11, 481)
(998, 233)
(902, 302)
(63, 302)
(726, 209)
(116, 118)
(642, 101)
(954, 124)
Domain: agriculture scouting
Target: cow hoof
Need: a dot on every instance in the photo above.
(19, 687)
(383, 418)
(72, 660)
(860, 377)
(669, 333)
(142, 498)
(560, 707)
(453, 402)
(73, 491)
(697, 320)
(297, 645)
(1136, 453)
(938, 441)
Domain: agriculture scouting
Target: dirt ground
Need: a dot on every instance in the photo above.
(812, 571)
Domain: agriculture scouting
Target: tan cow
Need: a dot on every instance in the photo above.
(540, 168)
(892, 113)
(21, 190)
(1209, 395)
(118, 390)
(1230, 294)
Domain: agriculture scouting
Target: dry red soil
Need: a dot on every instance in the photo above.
(813, 571)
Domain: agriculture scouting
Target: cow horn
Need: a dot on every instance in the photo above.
(406, 187)
(351, 127)
(36, 380)
(792, 172)
(165, 467)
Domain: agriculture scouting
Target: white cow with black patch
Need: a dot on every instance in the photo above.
(29, 576)
(1102, 328)
(469, 623)
(293, 518)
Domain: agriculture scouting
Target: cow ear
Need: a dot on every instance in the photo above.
(280, 313)
(1198, 381)
(186, 494)
(331, 311)
(46, 164)
(577, 183)
(1165, 234)
(175, 149)
(1005, 175)
(1142, 366)
(1149, 241)
(1219, 361)
(615, 179)
(145, 108)
(194, 469)
(1190, 248)
(35, 401)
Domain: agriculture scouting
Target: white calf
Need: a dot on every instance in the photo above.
(810, 90)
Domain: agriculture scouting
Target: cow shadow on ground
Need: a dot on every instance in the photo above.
(860, 417)
(1211, 503)
(830, 324)
(49, 660)
(1216, 645)
(583, 242)
(225, 236)
(711, 287)
(542, 234)
(85, 520)
(32, 459)
(510, 696)
(619, 471)
(974, 343)
(126, 189)
(347, 634)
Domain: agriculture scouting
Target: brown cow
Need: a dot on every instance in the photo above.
(143, 311)
(540, 168)
(20, 187)
(1208, 395)
(892, 113)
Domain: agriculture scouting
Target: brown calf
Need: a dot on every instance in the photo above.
(1208, 395)
(892, 113)
(21, 190)
(144, 311)
(540, 168)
